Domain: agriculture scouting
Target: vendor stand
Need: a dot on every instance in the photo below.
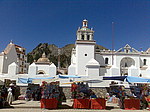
(85, 97)
(132, 103)
(50, 95)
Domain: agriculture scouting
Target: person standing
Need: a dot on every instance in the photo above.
(10, 96)
(4, 92)
(121, 96)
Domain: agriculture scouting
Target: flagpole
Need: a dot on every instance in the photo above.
(112, 43)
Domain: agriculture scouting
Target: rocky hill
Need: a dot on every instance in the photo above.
(52, 53)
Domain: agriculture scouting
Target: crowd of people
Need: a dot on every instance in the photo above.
(45, 91)
(81, 91)
(139, 92)
(8, 94)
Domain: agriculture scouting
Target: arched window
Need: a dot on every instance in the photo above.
(106, 60)
(126, 65)
(144, 62)
(88, 37)
(82, 37)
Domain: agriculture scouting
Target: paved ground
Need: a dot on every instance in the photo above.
(34, 106)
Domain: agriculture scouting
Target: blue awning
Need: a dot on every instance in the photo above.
(69, 76)
(129, 79)
(29, 80)
(120, 78)
(132, 79)
(24, 80)
(42, 78)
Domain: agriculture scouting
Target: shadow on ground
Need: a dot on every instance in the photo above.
(64, 106)
(17, 103)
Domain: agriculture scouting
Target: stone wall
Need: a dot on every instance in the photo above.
(99, 91)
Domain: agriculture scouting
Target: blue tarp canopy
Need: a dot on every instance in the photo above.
(24, 80)
(42, 78)
(129, 79)
(29, 80)
(136, 79)
(120, 78)
(69, 76)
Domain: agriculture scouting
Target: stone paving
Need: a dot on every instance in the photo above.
(34, 106)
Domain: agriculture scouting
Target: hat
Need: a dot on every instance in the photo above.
(11, 84)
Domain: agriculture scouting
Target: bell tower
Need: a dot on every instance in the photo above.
(85, 48)
(85, 33)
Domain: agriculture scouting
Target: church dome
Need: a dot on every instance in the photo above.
(43, 59)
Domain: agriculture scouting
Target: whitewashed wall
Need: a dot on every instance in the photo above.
(81, 50)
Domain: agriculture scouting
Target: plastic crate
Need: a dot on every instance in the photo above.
(99, 103)
(132, 104)
(49, 103)
(81, 103)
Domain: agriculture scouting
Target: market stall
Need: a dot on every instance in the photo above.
(50, 95)
(85, 98)
(138, 93)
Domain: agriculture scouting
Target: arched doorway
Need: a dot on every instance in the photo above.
(41, 72)
(125, 63)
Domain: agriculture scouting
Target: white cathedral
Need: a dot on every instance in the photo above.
(86, 60)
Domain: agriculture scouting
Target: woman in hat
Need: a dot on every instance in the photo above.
(10, 95)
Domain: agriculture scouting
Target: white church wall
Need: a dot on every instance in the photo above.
(73, 59)
(32, 71)
(9, 58)
(114, 71)
(44, 68)
(1, 64)
(72, 70)
(13, 69)
(84, 53)
(92, 72)
(52, 70)
(100, 59)
(145, 73)
(103, 71)
(133, 71)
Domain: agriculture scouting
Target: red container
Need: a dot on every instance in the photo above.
(81, 103)
(132, 104)
(49, 103)
(99, 103)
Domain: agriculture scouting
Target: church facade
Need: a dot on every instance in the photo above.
(87, 60)
(13, 54)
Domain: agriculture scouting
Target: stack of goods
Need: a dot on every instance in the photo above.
(50, 90)
(81, 91)
(50, 95)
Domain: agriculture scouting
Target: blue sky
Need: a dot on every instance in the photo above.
(30, 22)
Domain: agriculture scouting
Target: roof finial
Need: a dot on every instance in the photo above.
(85, 23)
(11, 42)
(44, 55)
